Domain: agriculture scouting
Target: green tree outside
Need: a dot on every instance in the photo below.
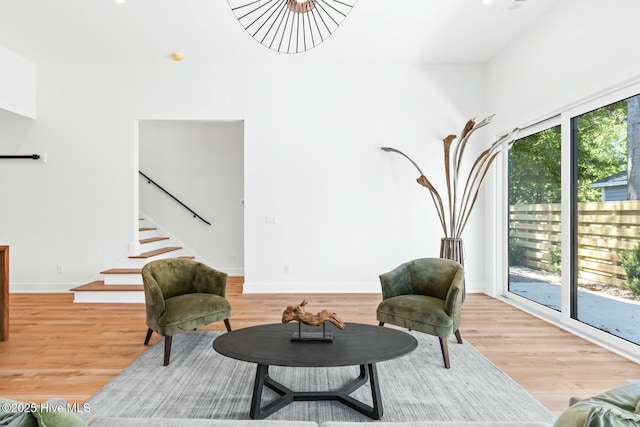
(534, 168)
(602, 147)
(535, 161)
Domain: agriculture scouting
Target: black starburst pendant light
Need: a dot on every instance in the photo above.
(291, 26)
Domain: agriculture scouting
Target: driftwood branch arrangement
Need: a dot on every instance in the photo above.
(298, 313)
(460, 204)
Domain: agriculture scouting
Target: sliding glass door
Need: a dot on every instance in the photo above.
(534, 224)
(573, 223)
(605, 283)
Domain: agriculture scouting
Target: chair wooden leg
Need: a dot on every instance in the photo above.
(167, 349)
(228, 326)
(458, 336)
(445, 352)
(381, 324)
(148, 337)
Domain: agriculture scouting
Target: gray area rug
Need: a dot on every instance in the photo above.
(200, 383)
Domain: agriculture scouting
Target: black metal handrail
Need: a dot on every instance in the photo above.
(21, 156)
(195, 215)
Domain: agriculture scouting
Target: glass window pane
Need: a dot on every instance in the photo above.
(606, 289)
(534, 218)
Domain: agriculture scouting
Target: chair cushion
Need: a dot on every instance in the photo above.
(417, 312)
(186, 312)
(612, 408)
(432, 276)
(175, 276)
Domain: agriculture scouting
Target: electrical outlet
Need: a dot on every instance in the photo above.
(60, 269)
(270, 219)
(287, 269)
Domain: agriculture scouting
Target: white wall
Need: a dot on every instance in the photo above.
(346, 211)
(77, 209)
(17, 85)
(201, 164)
(579, 49)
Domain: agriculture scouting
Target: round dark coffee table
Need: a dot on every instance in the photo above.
(357, 344)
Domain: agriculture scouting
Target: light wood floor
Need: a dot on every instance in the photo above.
(58, 348)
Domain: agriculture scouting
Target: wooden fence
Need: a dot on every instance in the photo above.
(605, 229)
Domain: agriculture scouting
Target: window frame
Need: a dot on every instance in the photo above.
(503, 214)
(564, 318)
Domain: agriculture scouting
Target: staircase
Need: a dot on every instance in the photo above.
(123, 283)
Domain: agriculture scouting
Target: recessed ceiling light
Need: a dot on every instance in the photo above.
(177, 56)
(120, 1)
(487, 1)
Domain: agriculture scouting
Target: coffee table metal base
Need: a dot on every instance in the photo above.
(368, 372)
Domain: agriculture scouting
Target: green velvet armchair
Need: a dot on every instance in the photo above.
(181, 295)
(424, 295)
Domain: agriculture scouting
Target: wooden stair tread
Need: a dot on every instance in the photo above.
(156, 252)
(122, 271)
(153, 239)
(146, 228)
(133, 270)
(99, 286)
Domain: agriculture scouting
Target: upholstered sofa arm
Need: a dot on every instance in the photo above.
(154, 298)
(209, 280)
(396, 282)
(453, 302)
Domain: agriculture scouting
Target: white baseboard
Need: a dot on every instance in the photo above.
(232, 271)
(41, 288)
(318, 288)
(310, 288)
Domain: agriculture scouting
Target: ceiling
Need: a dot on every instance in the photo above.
(207, 32)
